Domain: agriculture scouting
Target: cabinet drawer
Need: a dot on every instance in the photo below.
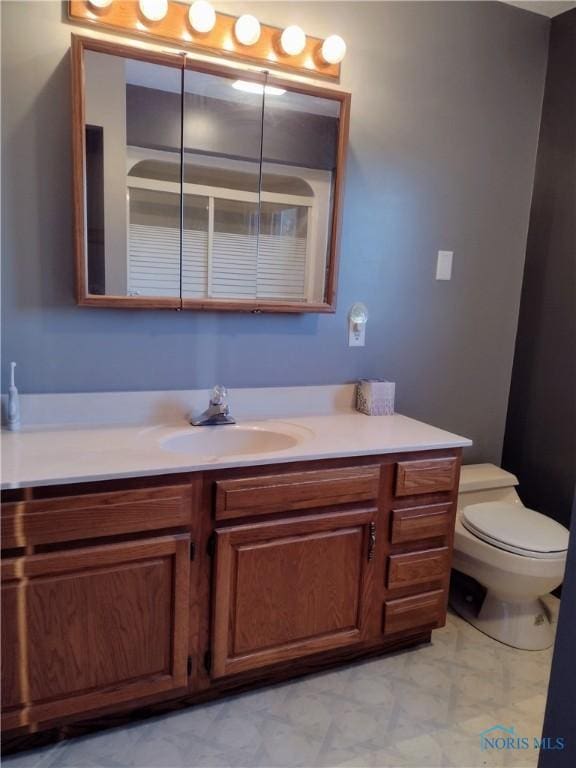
(407, 613)
(418, 567)
(295, 490)
(427, 476)
(419, 523)
(67, 518)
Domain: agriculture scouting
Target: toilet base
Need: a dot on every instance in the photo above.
(526, 624)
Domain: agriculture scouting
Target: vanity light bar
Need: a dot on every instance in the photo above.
(199, 26)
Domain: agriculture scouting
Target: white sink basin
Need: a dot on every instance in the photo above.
(230, 440)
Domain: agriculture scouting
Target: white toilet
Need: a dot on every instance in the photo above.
(517, 555)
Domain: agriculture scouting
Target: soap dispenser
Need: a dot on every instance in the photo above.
(13, 420)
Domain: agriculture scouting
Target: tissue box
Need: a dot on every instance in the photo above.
(375, 397)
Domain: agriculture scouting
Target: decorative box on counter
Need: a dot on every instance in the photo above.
(375, 397)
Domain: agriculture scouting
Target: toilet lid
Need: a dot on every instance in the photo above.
(515, 528)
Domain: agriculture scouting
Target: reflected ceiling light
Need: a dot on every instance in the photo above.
(100, 3)
(202, 16)
(333, 49)
(250, 87)
(247, 29)
(293, 40)
(153, 10)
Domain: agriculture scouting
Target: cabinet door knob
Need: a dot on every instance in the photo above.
(371, 540)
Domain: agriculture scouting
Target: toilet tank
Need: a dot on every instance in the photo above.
(486, 482)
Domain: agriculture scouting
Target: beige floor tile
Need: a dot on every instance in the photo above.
(532, 707)
(372, 690)
(35, 758)
(285, 745)
(423, 705)
(354, 724)
(424, 750)
(264, 700)
(192, 722)
(402, 728)
(415, 709)
(310, 712)
(374, 759)
(334, 682)
(108, 749)
(462, 748)
(236, 731)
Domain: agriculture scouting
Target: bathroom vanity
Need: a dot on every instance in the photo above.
(146, 592)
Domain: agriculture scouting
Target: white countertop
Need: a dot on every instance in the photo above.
(48, 456)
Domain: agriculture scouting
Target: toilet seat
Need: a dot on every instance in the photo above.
(515, 528)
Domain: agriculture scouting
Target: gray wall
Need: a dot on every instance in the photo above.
(561, 704)
(445, 115)
(540, 443)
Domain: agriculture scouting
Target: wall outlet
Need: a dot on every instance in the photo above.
(444, 265)
(357, 334)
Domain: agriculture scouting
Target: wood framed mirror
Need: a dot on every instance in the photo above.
(200, 186)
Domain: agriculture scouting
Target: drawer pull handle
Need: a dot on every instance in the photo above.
(371, 541)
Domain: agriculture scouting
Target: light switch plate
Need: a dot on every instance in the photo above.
(444, 265)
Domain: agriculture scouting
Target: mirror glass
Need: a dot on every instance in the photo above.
(299, 151)
(206, 187)
(133, 123)
(222, 143)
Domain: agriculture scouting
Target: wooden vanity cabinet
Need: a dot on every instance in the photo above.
(287, 588)
(95, 599)
(91, 627)
(293, 564)
(419, 547)
(163, 591)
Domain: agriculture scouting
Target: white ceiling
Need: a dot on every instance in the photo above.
(545, 7)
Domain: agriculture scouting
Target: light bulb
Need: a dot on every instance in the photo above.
(333, 49)
(202, 16)
(100, 3)
(153, 10)
(293, 40)
(358, 313)
(247, 30)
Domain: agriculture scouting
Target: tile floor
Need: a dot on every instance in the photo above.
(416, 709)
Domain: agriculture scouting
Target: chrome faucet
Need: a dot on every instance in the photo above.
(217, 413)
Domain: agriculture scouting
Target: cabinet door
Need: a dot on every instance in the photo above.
(288, 588)
(87, 628)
